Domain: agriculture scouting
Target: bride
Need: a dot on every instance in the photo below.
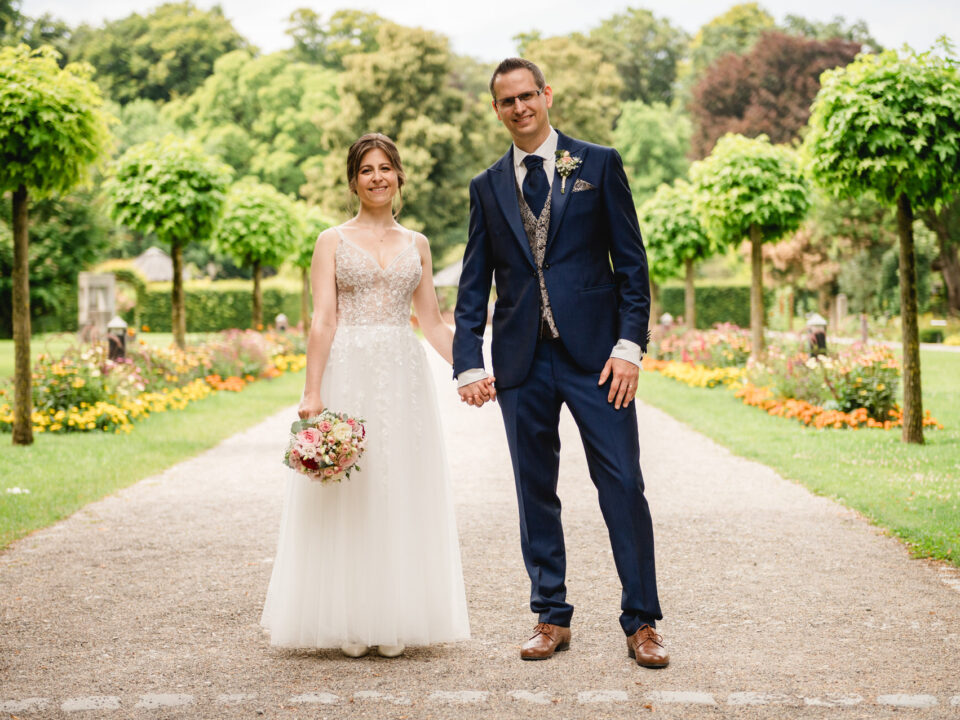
(374, 560)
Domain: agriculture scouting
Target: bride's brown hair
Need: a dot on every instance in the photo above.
(363, 145)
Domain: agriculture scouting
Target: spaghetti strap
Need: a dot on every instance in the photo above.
(340, 233)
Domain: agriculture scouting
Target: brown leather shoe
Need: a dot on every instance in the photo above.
(547, 639)
(646, 647)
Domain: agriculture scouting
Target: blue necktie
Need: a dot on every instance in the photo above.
(535, 185)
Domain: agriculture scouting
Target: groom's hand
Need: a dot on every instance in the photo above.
(479, 392)
(623, 381)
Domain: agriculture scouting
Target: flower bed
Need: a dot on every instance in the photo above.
(854, 388)
(84, 390)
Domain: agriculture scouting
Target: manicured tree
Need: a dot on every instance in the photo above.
(314, 223)
(174, 190)
(889, 125)
(259, 226)
(748, 188)
(671, 225)
(51, 130)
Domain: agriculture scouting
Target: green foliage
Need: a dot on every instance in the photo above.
(671, 226)
(219, 306)
(653, 141)
(160, 55)
(139, 121)
(747, 182)
(67, 235)
(314, 223)
(645, 50)
(319, 43)
(714, 304)
(857, 31)
(258, 225)
(444, 133)
(586, 88)
(168, 187)
(735, 31)
(51, 124)
(265, 116)
(888, 125)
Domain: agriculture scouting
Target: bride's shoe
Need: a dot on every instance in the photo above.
(354, 650)
(391, 651)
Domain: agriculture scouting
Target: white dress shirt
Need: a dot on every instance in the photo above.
(624, 349)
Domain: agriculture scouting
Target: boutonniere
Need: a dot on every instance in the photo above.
(566, 164)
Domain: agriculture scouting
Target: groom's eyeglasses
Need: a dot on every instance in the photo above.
(507, 103)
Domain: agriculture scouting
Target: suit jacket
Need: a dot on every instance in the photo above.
(594, 266)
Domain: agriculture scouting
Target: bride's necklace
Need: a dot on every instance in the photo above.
(378, 236)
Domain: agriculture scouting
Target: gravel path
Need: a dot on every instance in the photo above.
(778, 603)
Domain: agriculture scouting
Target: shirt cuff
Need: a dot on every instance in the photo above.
(471, 376)
(629, 351)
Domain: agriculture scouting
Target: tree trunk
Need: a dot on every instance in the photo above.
(756, 290)
(654, 307)
(305, 302)
(941, 224)
(912, 398)
(689, 297)
(22, 379)
(864, 329)
(178, 308)
(790, 309)
(257, 318)
(950, 269)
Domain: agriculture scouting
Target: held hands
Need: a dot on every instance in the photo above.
(309, 407)
(479, 392)
(623, 381)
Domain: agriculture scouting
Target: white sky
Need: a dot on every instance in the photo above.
(484, 29)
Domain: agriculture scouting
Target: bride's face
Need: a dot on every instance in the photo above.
(376, 179)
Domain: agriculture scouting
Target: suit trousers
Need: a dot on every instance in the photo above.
(531, 414)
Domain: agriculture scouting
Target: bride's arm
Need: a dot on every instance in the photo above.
(435, 330)
(323, 284)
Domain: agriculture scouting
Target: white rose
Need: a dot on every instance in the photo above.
(341, 432)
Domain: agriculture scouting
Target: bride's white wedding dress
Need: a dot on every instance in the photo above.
(374, 560)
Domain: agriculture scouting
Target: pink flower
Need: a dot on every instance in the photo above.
(311, 436)
(328, 472)
(324, 426)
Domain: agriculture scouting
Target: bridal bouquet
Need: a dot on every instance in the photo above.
(326, 447)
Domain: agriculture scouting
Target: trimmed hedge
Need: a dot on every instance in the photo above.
(217, 306)
(715, 304)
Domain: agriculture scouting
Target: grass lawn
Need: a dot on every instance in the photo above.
(65, 472)
(913, 491)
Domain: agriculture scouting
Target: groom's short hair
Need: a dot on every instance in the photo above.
(515, 63)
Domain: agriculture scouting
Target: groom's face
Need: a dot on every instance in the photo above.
(528, 121)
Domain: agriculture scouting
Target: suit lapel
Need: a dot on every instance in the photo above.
(559, 199)
(504, 182)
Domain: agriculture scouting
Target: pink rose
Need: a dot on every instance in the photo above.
(328, 472)
(310, 435)
(324, 426)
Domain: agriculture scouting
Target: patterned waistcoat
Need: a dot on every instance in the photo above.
(537, 229)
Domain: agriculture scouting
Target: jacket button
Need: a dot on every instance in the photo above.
(547, 266)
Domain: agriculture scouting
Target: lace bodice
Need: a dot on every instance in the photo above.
(370, 295)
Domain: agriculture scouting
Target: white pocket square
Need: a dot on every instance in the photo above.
(581, 185)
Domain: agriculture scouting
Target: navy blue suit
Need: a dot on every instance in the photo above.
(595, 271)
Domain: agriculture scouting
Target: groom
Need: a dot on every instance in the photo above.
(553, 221)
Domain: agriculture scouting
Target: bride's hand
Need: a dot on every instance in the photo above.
(309, 407)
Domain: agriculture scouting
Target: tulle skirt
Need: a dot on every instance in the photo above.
(375, 559)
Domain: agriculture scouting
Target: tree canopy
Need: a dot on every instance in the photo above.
(157, 56)
(766, 91)
(645, 50)
(735, 31)
(653, 141)
(265, 116)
